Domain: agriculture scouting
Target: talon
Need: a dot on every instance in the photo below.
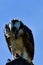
(16, 56)
(8, 60)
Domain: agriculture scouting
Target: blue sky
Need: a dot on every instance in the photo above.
(31, 13)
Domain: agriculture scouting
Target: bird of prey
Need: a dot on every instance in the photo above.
(19, 39)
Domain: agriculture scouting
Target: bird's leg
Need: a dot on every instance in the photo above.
(15, 54)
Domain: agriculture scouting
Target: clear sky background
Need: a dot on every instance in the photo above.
(31, 13)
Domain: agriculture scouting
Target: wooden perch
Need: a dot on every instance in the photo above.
(19, 61)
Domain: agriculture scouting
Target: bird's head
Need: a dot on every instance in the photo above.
(14, 26)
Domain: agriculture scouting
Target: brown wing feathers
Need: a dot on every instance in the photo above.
(28, 41)
(8, 42)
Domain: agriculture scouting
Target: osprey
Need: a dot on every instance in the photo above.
(19, 39)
